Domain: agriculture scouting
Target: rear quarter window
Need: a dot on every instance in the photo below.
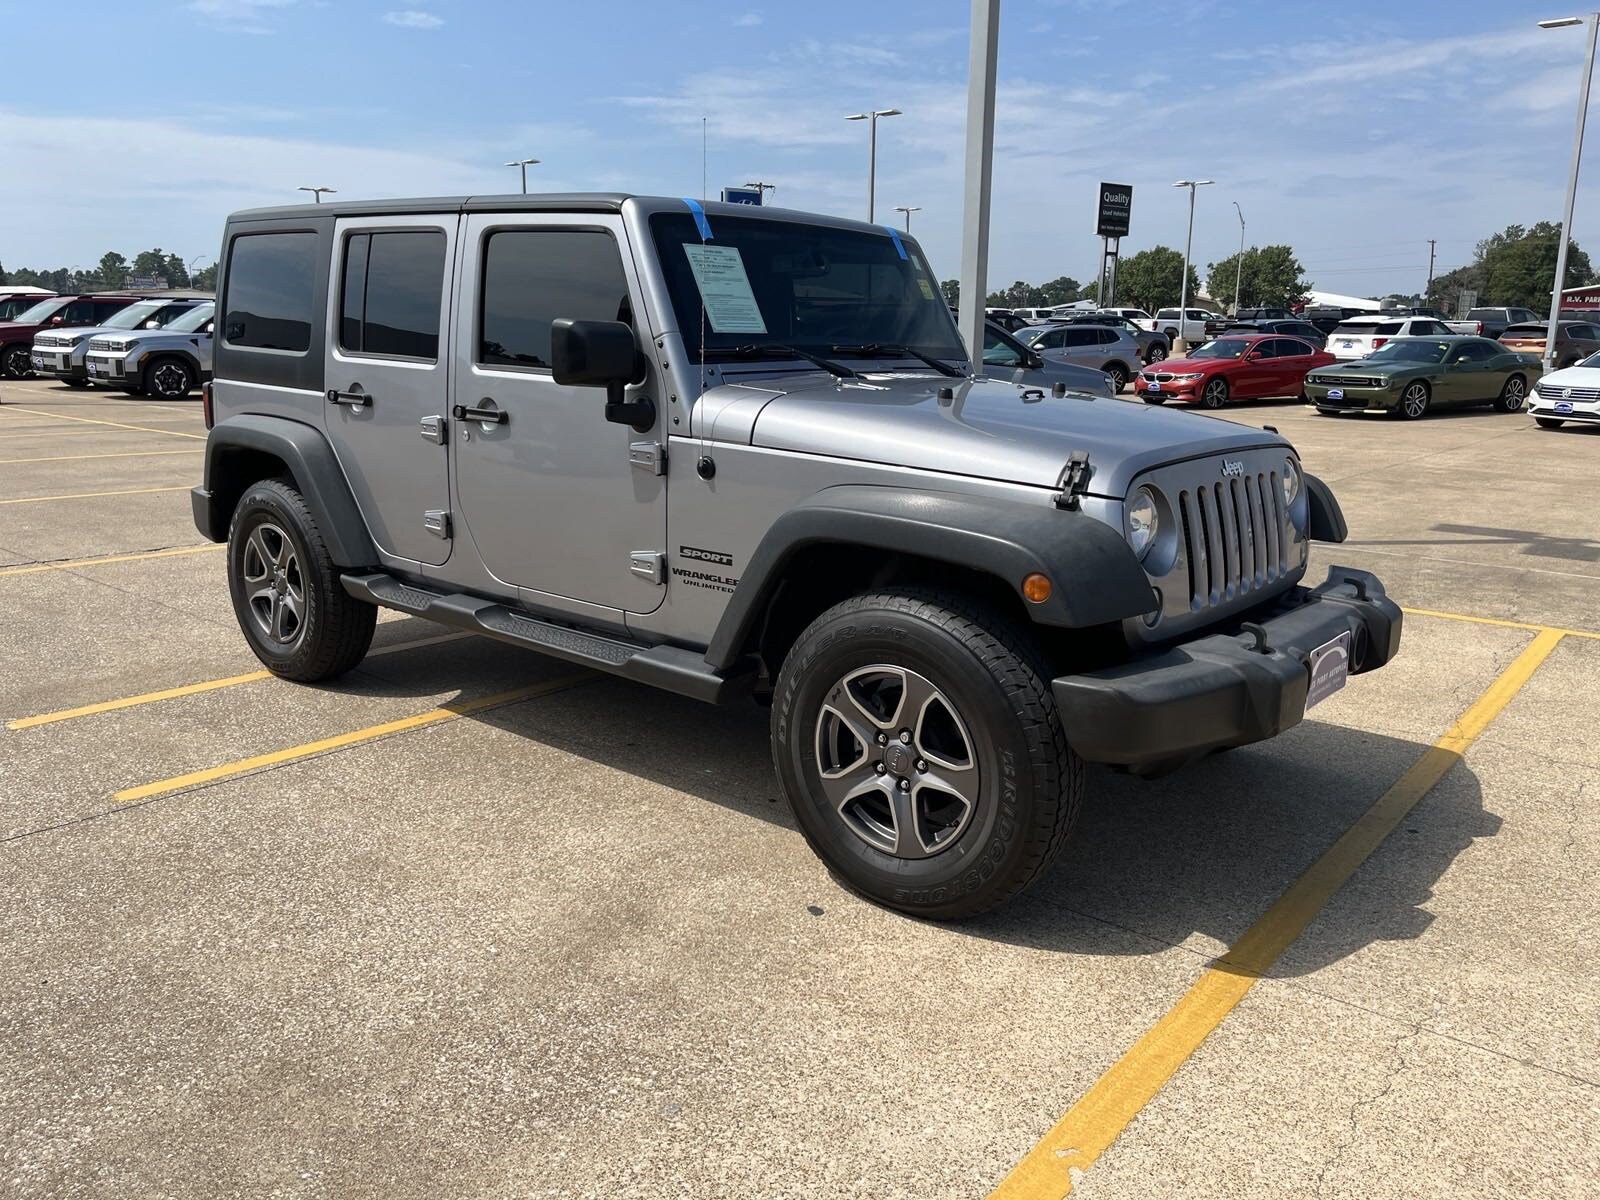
(270, 304)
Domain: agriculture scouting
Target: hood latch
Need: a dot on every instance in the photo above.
(1074, 481)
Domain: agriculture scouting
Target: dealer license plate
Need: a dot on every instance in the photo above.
(99, 369)
(1346, 343)
(1335, 393)
(1563, 406)
(1153, 386)
(1330, 667)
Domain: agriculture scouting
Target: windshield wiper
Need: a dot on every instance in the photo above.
(765, 349)
(874, 348)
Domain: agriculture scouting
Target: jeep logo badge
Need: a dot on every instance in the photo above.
(1231, 468)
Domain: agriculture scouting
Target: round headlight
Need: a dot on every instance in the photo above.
(1142, 521)
(1291, 482)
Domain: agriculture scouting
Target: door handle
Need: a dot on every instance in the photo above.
(490, 416)
(353, 399)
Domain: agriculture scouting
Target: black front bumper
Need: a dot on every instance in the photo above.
(1171, 707)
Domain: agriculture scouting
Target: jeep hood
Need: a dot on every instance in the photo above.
(985, 428)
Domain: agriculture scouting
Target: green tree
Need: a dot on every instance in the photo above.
(1271, 275)
(1061, 290)
(1519, 266)
(205, 279)
(149, 262)
(950, 287)
(1447, 288)
(113, 270)
(3, 278)
(1153, 279)
(177, 274)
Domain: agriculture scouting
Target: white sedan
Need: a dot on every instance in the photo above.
(1570, 394)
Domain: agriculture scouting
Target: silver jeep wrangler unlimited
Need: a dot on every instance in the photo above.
(733, 452)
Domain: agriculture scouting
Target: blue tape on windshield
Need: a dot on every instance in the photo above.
(704, 227)
(899, 246)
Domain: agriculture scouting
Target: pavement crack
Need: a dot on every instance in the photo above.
(1413, 1032)
(45, 562)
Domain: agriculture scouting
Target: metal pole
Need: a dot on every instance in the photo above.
(1432, 244)
(1238, 270)
(982, 54)
(524, 167)
(872, 163)
(1572, 196)
(1183, 304)
(1110, 297)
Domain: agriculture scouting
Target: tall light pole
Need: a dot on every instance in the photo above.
(1188, 241)
(908, 209)
(317, 192)
(872, 148)
(523, 164)
(982, 69)
(1238, 270)
(1572, 180)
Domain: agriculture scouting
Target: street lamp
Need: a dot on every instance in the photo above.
(188, 267)
(872, 147)
(1183, 304)
(317, 191)
(1238, 271)
(908, 209)
(523, 164)
(1572, 180)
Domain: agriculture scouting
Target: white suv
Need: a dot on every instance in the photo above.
(1358, 337)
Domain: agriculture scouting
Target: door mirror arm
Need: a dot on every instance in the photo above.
(602, 354)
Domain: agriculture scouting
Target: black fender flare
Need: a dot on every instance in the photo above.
(1097, 580)
(233, 451)
(1325, 517)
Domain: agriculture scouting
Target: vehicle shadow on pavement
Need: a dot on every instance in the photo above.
(1152, 863)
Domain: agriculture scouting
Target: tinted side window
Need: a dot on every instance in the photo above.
(79, 312)
(1107, 336)
(271, 282)
(107, 308)
(390, 299)
(531, 277)
(1080, 337)
(1290, 348)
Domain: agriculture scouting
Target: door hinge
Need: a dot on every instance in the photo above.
(437, 522)
(650, 457)
(648, 564)
(1074, 480)
(432, 430)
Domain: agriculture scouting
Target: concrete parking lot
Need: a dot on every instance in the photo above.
(473, 922)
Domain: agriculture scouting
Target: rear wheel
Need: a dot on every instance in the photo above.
(1119, 377)
(1548, 422)
(16, 362)
(1513, 396)
(916, 738)
(295, 614)
(1156, 354)
(1215, 393)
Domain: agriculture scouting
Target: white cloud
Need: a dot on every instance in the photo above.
(748, 20)
(413, 18)
(239, 16)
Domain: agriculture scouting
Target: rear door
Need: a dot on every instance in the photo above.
(556, 499)
(388, 376)
(1294, 359)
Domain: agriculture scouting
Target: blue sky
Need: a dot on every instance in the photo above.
(1353, 132)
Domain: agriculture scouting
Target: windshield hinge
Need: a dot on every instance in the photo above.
(649, 457)
(1074, 481)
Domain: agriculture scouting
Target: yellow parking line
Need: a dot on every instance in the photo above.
(182, 487)
(433, 716)
(117, 454)
(1500, 621)
(191, 689)
(101, 560)
(1105, 1110)
(39, 412)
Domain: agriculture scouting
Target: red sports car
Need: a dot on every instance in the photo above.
(1232, 368)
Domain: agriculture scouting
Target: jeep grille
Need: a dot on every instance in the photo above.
(1233, 537)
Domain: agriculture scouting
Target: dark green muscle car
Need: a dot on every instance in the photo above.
(1410, 376)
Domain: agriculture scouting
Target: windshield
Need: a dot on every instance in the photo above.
(1030, 336)
(134, 315)
(41, 312)
(193, 319)
(1410, 350)
(759, 282)
(1222, 348)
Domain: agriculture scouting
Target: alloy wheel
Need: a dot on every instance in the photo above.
(1215, 394)
(17, 362)
(1157, 353)
(897, 763)
(169, 380)
(1414, 400)
(1515, 395)
(274, 584)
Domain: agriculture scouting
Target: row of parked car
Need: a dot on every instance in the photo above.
(156, 344)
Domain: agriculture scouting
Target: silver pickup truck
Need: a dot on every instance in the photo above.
(742, 454)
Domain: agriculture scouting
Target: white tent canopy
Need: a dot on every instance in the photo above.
(1335, 300)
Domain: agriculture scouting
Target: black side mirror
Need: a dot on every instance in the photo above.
(602, 354)
(1035, 361)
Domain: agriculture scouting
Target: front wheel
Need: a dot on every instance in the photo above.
(1548, 422)
(295, 614)
(1413, 402)
(1513, 396)
(916, 738)
(16, 362)
(170, 379)
(76, 383)
(1214, 394)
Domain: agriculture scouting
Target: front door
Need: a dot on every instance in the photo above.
(552, 493)
(1472, 375)
(388, 373)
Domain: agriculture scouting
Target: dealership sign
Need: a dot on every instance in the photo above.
(1116, 201)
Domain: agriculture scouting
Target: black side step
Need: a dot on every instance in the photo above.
(669, 667)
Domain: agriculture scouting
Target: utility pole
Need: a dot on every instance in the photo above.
(762, 188)
(1432, 242)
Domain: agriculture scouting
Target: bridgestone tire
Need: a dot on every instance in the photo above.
(1029, 782)
(336, 628)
